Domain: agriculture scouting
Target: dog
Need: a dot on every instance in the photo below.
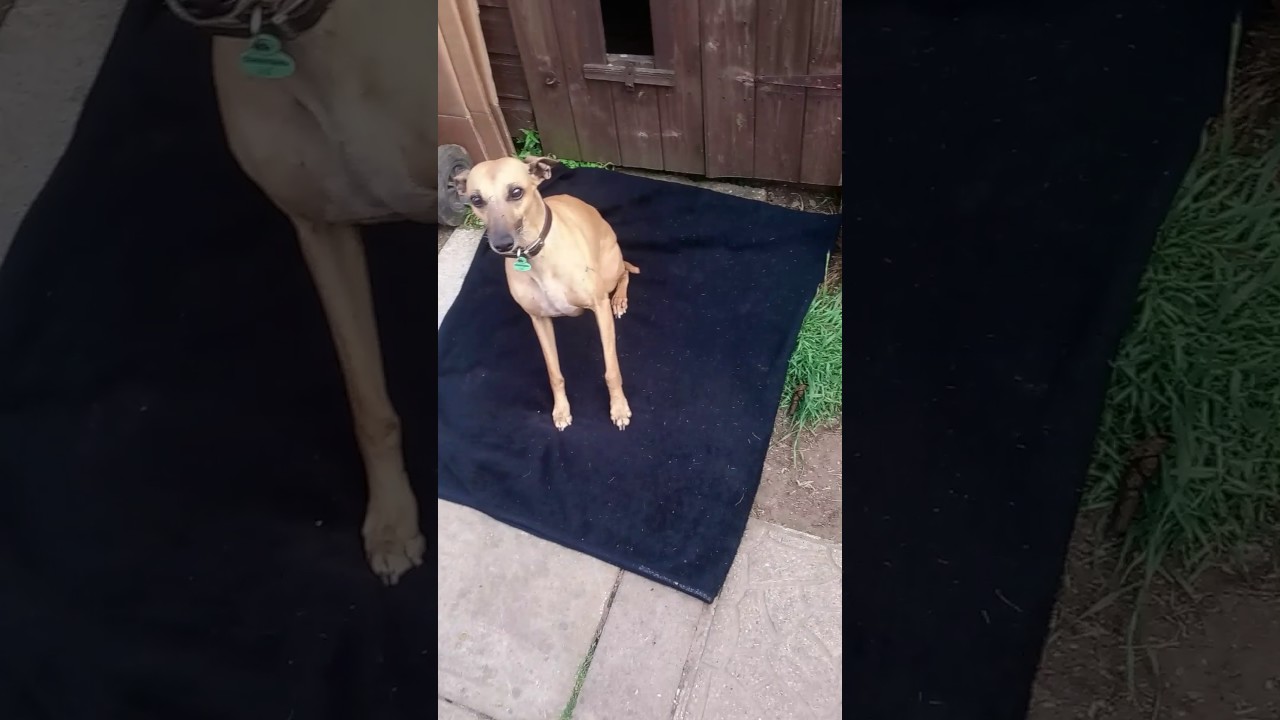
(345, 138)
(562, 258)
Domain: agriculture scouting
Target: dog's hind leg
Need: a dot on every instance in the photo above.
(620, 294)
(547, 339)
(335, 256)
(619, 410)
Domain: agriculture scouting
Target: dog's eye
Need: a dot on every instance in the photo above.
(477, 201)
(516, 193)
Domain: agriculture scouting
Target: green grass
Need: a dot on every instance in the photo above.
(1201, 367)
(567, 713)
(815, 365)
(531, 144)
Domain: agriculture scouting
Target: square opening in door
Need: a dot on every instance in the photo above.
(628, 30)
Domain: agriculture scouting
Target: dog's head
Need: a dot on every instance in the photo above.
(504, 194)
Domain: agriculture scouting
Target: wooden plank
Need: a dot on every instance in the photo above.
(519, 116)
(639, 126)
(508, 77)
(485, 115)
(581, 32)
(830, 82)
(545, 76)
(454, 130)
(728, 90)
(618, 74)
(782, 48)
(677, 46)
(499, 34)
(821, 160)
(449, 97)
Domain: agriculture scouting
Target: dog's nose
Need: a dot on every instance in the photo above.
(502, 244)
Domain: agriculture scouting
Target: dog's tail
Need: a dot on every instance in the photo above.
(631, 268)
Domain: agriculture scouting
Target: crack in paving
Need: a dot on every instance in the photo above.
(471, 710)
(585, 667)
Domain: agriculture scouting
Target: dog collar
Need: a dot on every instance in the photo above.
(235, 18)
(536, 247)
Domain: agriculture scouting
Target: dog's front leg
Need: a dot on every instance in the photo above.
(547, 339)
(335, 256)
(619, 410)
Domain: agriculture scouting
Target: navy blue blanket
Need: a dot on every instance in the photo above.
(703, 348)
(1009, 166)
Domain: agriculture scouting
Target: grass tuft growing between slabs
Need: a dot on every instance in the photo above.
(1197, 379)
(812, 393)
(583, 668)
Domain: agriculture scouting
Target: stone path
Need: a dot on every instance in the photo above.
(49, 57)
(524, 621)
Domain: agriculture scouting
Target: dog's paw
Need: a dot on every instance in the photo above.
(393, 548)
(620, 413)
(619, 307)
(561, 417)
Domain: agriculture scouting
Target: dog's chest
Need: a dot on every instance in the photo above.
(544, 295)
(351, 136)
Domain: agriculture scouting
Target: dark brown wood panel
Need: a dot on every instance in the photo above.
(499, 34)
(639, 126)
(728, 91)
(621, 74)
(519, 116)
(582, 41)
(546, 76)
(782, 48)
(821, 160)
(677, 46)
(508, 76)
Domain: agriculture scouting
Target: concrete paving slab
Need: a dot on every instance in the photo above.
(49, 57)
(770, 645)
(446, 710)
(639, 661)
(453, 261)
(517, 615)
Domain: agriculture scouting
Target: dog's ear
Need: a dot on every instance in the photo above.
(460, 182)
(540, 167)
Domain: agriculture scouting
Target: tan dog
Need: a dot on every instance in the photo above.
(570, 259)
(349, 138)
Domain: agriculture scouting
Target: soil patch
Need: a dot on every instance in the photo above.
(802, 487)
(1206, 651)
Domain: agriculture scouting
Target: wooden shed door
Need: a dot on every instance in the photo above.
(595, 102)
(772, 87)
(722, 88)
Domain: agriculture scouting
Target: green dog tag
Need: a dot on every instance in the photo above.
(265, 58)
(522, 264)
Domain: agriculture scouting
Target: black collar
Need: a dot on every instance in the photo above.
(215, 17)
(537, 245)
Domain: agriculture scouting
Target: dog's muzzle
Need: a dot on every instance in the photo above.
(514, 250)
